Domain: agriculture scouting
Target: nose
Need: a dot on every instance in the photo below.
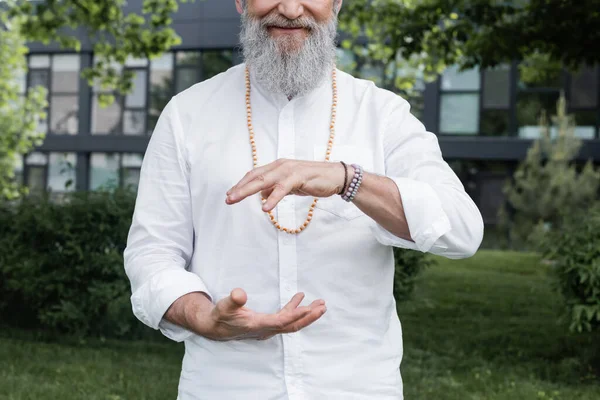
(291, 9)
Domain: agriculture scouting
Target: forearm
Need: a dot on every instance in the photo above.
(379, 198)
(191, 311)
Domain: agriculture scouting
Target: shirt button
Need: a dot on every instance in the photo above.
(287, 239)
(287, 288)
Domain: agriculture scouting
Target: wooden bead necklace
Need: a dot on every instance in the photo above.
(327, 155)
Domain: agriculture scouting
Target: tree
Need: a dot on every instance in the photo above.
(20, 112)
(429, 35)
(116, 36)
(548, 184)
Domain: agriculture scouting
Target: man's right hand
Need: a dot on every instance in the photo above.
(229, 319)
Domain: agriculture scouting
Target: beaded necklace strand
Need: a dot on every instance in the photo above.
(327, 155)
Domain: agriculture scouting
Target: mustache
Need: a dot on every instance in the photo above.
(279, 21)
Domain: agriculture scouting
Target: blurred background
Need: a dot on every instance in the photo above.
(511, 88)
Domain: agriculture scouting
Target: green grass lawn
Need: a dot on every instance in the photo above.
(483, 328)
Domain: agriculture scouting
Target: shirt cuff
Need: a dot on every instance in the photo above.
(151, 301)
(426, 218)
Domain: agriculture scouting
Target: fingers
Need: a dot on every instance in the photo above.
(294, 302)
(262, 182)
(235, 300)
(256, 172)
(278, 193)
(317, 309)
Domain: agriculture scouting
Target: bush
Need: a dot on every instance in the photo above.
(409, 265)
(574, 253)
(61, 266)
(548, 182)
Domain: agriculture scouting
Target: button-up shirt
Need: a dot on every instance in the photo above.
(184, 237)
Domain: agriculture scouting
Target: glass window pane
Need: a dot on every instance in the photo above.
(496, 87)
(191, 58)
(215, 62)
(186, 78)
(132, 160)
(39, 61)
(104, 170)
(137, 98)
(491, 197)
(36, 158)
(161, 70)
(459, 114)
(38, 78)
(453, 79)
(494, 123)
(584, 88)
(64, 117)
(136, 62)
(61, 172)
(106, 120)
(133, 122)
(586, 121)
(161, 87)
(131, 177)
(65, 73)
(36, 179)
(529, 110)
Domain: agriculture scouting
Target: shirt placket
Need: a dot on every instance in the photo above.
(288, 263)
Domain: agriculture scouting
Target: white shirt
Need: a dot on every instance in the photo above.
(184, 238)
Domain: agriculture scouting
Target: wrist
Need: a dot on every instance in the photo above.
(197, 313)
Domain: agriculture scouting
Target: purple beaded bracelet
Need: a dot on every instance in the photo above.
(354, 184)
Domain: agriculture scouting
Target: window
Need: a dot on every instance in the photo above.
(161, 87)
(127, 114)
(485, 103)
(110, 170)
(53, 171)
(495, 113)
(582, 99)
(459, 102)
(59, 74)
(155, 82)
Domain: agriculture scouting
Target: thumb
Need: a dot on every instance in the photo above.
(235, 300)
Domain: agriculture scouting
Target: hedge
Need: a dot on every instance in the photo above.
(61, 265)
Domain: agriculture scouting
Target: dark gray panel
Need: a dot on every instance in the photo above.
(471, 148)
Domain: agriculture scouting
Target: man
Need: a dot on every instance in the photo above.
(283, 298)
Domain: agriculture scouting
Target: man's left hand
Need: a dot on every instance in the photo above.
(282, 177)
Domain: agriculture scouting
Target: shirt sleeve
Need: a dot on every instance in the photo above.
(160, 241)
(441, 216)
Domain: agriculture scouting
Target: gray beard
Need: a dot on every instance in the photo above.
(289, 72)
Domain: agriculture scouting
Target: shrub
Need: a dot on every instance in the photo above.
(409, 265)
(574, 252)
(61, 266)
(548, 182)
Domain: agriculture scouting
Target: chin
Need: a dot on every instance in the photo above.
(290, 45)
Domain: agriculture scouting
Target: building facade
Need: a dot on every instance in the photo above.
(485, 120)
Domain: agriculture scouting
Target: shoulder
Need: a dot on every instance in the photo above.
(209, 90)
(210, 96)
(364, 92)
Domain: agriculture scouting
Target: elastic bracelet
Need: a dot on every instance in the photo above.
(354, 184)
(345, 178)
